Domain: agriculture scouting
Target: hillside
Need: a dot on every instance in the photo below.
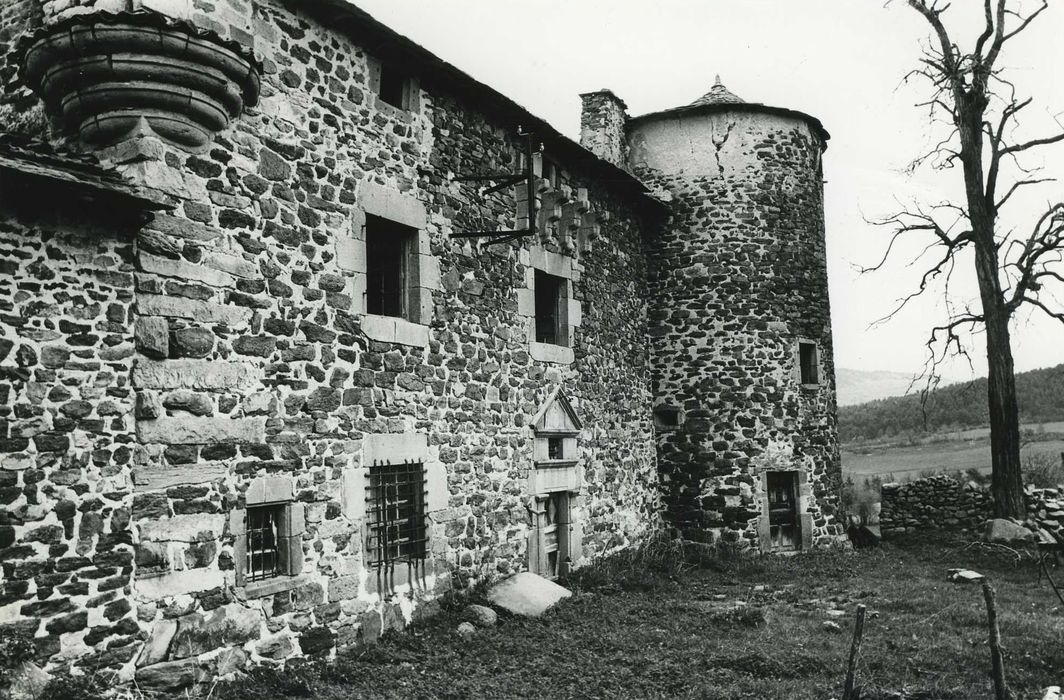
(1040, 396)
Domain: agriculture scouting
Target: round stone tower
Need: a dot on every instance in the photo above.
(740, 330)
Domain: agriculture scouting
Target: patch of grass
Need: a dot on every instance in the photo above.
(666, 631)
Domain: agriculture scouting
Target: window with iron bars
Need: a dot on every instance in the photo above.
(263, 552)
(395, 509)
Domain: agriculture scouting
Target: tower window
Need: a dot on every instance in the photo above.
(396, 514)
(394, 86)
(666, 417)
(807, 362)
(551, 301)
(555, 448)
(390, 248)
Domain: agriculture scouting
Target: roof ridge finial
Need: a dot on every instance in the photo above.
(717, 83)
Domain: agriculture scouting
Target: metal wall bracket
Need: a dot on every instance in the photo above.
(502, 181)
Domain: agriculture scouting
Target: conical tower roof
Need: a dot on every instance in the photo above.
(718, 95)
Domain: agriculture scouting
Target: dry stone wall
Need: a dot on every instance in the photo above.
(945, 502)
(246, 371)
(737, 277)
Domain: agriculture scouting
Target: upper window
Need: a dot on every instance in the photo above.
(390, 274)
(666, 417)
(394, 86)
(551, 305)
(807, 362)
(396, 514)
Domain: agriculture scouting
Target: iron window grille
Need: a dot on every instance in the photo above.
(395, 507)
(263, 550)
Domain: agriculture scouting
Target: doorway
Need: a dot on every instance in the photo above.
(784, 529)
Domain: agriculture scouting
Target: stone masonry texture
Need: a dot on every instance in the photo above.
(160, 373)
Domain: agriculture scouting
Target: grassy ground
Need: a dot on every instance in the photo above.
(654, 628)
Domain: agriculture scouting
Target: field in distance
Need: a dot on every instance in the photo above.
(953, 451)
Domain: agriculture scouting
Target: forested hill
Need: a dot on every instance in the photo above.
(1040, 396)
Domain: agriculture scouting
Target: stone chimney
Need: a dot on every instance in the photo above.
(603, 122)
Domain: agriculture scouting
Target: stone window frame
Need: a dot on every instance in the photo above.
(799, 374)
(805, 518)
(411, 102)
(569, 270)
(382, 448)
(276, 491)
(374, 199)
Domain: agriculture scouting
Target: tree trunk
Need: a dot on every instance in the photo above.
(1006, 483)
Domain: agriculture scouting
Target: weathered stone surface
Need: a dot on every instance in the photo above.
(26, 682)
(153, 336)
(185, 400)
(466, 630)
(193, 342)
(171, 675)
(228, 625)
(192, 309)
(964, 576)
(526, 594)
(482, 616)
(201, 431)
(1003, 531)
(195, 374)
(157, 647)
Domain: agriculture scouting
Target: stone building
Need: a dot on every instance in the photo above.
(262, 395)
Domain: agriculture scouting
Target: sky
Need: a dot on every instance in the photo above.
(843, 61)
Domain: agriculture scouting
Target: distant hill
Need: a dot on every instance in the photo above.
(856, 386)
(1040, 394)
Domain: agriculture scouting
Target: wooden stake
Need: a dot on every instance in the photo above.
(1001, 691)
(855, 649)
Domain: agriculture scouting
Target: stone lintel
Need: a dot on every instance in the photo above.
(193, 309)
(202, 431)
(195, 374)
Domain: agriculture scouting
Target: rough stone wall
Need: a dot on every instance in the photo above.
(255, 369)
(66, 428)
(17, 17)
(944, 502)
(737, 278)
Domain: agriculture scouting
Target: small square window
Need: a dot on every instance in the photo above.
(394, 86)
(807, 362)
(551, 307)
(263, 559)
(390, 272)
(555, 448)
(666, 417)
(396, 514)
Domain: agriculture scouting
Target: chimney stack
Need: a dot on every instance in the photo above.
(603, 122)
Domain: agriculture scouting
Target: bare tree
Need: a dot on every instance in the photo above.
(1013, 269)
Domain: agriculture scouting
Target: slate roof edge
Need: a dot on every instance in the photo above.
(38, 159)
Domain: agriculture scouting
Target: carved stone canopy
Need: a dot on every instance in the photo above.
(556, 417)
(108, 77)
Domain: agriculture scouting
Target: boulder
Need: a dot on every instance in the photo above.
(526, 594)
(963, 576)
(466, 630)
(27, 682)
(1001, 531)
(1053, 692)
(482, 616)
